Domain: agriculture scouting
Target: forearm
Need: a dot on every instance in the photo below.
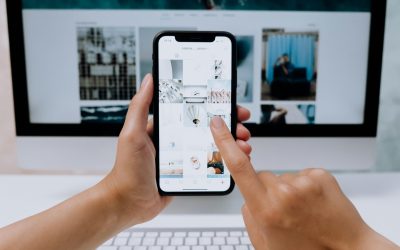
(82, 222)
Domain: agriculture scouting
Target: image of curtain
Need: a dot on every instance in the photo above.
(299, 47)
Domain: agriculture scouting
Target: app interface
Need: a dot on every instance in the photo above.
(194, 86)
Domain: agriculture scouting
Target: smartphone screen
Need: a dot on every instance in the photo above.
(196, 81)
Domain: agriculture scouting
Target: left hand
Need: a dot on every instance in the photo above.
(132, 182)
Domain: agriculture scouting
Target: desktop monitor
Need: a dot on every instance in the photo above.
(309, 72)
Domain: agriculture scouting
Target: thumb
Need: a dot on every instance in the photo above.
(136, 118)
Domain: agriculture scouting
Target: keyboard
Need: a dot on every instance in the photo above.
(180, 239)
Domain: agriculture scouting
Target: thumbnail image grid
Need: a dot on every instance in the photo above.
(289, 65)
(186, 109)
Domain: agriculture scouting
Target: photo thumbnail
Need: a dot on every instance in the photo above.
(289, 64)
(170, 82)
(195, 94)
(107, 68)
(194, 108)
(172, 139)
(288, 114)
(195, 163)
(104, 114)
(221, 70)
(219, 91)
(170, 115)
(215, 164)
(221, 110)
(171, 164)
(195, 115)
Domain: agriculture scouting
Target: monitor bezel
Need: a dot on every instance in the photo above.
(368, 129)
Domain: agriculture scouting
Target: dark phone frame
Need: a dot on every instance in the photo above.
(191, 36)
(368, 129)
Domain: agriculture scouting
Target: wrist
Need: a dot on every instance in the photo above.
(368, 239)
(115, 203)
(372, 240)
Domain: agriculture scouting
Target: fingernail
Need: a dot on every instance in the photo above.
(145, 81)
(217, 122)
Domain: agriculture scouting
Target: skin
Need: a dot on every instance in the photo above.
(127, 196)
(305, 210)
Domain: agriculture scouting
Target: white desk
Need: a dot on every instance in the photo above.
(377, 197)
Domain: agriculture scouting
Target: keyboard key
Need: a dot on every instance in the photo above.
(194, 234)
(197, 247)
(191, 241)
(163, 241)
(184, 248)
(241, 247)
(205, 241)
(107, 248)
(208, 234)
(227, 248)
(236, 233)
(137, 234)
(151, 234)
(232, 240)
(149, 241)
(222, 234)
(169, 248)
(245, 233)
(125, 248)
(219, 241)
(166, 234)
(154, 248)
(134, 241)
(245, 240)
(176, 241)
(120, 241)
(180, 234)
(123, 234)
(212, 248)
(139, 248)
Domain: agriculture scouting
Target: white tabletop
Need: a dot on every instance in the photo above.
(376, 196)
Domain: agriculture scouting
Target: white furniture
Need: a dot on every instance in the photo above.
(376, 196)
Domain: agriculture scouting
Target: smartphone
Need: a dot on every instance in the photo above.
(195, 79)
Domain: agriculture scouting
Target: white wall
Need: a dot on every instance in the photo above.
(389, 117)
(7, 131)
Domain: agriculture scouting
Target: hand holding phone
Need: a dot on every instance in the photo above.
(195, 80)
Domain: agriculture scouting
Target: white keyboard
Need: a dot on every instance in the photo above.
(180, 239)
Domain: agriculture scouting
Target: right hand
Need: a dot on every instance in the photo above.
(306, 210)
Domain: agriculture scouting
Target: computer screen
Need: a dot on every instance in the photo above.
(304, 67)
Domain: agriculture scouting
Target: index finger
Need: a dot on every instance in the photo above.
(238, 164)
